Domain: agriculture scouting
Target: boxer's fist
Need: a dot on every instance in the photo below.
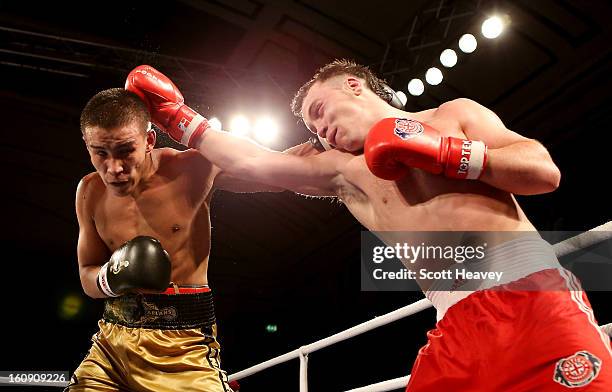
(166, 105)
(140, 263)
(393, 144)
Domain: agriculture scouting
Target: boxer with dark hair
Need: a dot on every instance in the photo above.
(450, 168)
(144, 244)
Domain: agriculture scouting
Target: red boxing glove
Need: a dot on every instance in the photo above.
(396, 143)
(166, 105)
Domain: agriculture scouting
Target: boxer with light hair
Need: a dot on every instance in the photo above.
(450, 168)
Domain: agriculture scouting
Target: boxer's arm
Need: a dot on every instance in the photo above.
(305, 149)
(201, 170)
(92, 252)
(226, 182)
(514, 163)
(316, 175)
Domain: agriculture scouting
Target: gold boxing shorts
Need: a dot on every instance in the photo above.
(155, 342)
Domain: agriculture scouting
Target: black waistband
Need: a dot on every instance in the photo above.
(161, 311)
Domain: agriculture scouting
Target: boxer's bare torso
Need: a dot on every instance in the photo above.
(173, 207)
(423, 201)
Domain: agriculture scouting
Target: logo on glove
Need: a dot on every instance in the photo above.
(147, 73)
(577, 370)
(118, 265)
(407, 129)
(183, 124)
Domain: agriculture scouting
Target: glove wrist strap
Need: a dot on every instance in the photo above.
(103, 284)
(191, 124)
(466, 159)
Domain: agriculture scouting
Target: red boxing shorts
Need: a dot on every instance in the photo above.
(516, 338)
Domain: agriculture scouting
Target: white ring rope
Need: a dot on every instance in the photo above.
(389, 385)
(340, 336)
(583, 240)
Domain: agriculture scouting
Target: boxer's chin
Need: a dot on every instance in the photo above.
(352, 146)
(120, 188)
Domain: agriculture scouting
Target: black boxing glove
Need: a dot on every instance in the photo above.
(140, 263)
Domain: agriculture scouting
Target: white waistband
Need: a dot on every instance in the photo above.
(515, 259)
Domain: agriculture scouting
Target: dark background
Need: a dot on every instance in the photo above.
(277, 258)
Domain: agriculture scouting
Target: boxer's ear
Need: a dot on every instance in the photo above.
(84, 137)
(151, 138)
(354, 85)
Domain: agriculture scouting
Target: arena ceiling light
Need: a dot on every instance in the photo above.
(434, 76)
(448, 58)
(265, 130)
(467, 43)
(492, 27)
(240, 125)
(416, 87)
(215, 123)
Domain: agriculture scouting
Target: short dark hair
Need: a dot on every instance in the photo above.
(335, 68)
(113, 108)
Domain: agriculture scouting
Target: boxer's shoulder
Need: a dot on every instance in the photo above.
(191, 163)
(89, 184)
(170, 156)
(448, 117)
(459, 108)
(424, 115)
(90, 189)
(458, 103)
(166, 154)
